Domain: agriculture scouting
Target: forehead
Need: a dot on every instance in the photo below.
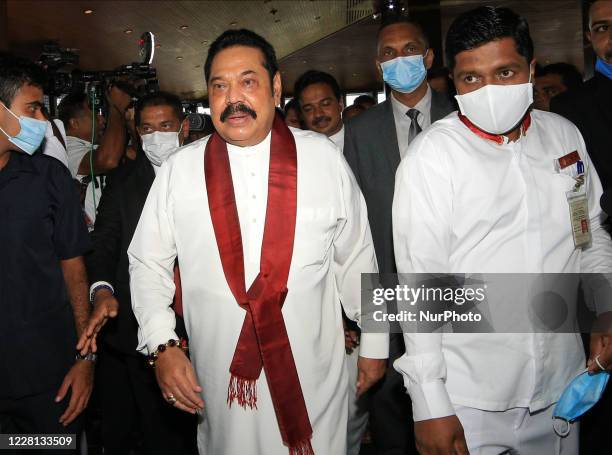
(489, 56)
(601, 11)
(399, 35)
(549, 79)
(28, 93)
(318, 91)
(158, 113)
(237, 59)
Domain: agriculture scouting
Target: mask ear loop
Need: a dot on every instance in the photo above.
(561, 426)
(13, 114)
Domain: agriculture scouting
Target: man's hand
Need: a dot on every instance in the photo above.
(176, 378)
(601, 344)
(443, 436)
(119, 99)
(369, 372)
(105, 306)
(351, 338)
(80, 380)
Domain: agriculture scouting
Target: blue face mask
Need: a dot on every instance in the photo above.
(31, 133)
(404, 74)
(604, 68)
(578, 397)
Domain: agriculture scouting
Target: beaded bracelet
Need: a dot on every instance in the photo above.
(181, 343)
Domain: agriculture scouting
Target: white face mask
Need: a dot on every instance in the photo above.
(497, 109)
(158, 146)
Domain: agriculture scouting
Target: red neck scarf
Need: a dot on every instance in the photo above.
(263, 341)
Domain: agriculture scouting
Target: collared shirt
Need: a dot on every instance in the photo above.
(338, 138)
(402, 121)
(467, 204)
(76, 149)
(41, 225)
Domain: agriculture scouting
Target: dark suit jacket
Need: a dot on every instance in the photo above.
(118, 214)
(590, 109)
(370, 147)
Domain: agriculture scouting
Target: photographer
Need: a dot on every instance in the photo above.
(83, 128)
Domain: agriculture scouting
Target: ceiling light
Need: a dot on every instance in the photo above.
(179, 58)
(88, 11)
(128, 31)
(233, 23)
(205, 42)
(184, 27)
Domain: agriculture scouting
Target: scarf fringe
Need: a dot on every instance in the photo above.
(244, 391)
(302, 448)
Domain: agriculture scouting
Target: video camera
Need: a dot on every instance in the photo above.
(136, 79)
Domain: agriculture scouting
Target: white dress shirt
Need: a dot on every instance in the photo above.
(465, 204)
(53, 147)
(338, 138)
(402, 121)
(332, 247)
(76, 149)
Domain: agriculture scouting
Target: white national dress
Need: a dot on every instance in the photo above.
(332, 247)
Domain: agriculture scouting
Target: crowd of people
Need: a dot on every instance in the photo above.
(206, 292)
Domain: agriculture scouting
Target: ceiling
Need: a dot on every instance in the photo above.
(337, 36)
(103, 44)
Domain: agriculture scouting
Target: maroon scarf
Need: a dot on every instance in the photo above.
(263, 341)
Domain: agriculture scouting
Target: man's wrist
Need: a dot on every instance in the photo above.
(90, 357)
(97, 286)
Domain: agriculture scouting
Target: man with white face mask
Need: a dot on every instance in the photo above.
(130, 396)
(479, 193)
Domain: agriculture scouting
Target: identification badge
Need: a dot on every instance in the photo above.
(579, 213)
(567, 160)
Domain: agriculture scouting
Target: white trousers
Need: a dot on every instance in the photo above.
(515, 431)
(357, 415)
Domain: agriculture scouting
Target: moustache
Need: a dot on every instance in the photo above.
(320, 120)
(234, 108)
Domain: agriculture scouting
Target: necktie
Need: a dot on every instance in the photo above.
(414, 125)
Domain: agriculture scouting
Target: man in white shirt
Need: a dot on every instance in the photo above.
(321, 104)
(276, 211)
(478, 193)
(83, 127)
(374, 143)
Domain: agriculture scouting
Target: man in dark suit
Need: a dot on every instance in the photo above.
(589, 109)
(375, 142)
(130, 398)
(589, 106)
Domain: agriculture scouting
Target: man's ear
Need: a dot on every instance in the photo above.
(588, 36)
(277, 88)
(429, 58)
(379, 69)
(73, 124)
(532, 68)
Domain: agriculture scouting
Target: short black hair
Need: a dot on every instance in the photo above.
(292, 104)
(15, 72)
(484, 24)
(364, 99)
(71, 106)
(570, 76)
(242, 37)
(158, 99)
(392, 19)
(311, 77)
